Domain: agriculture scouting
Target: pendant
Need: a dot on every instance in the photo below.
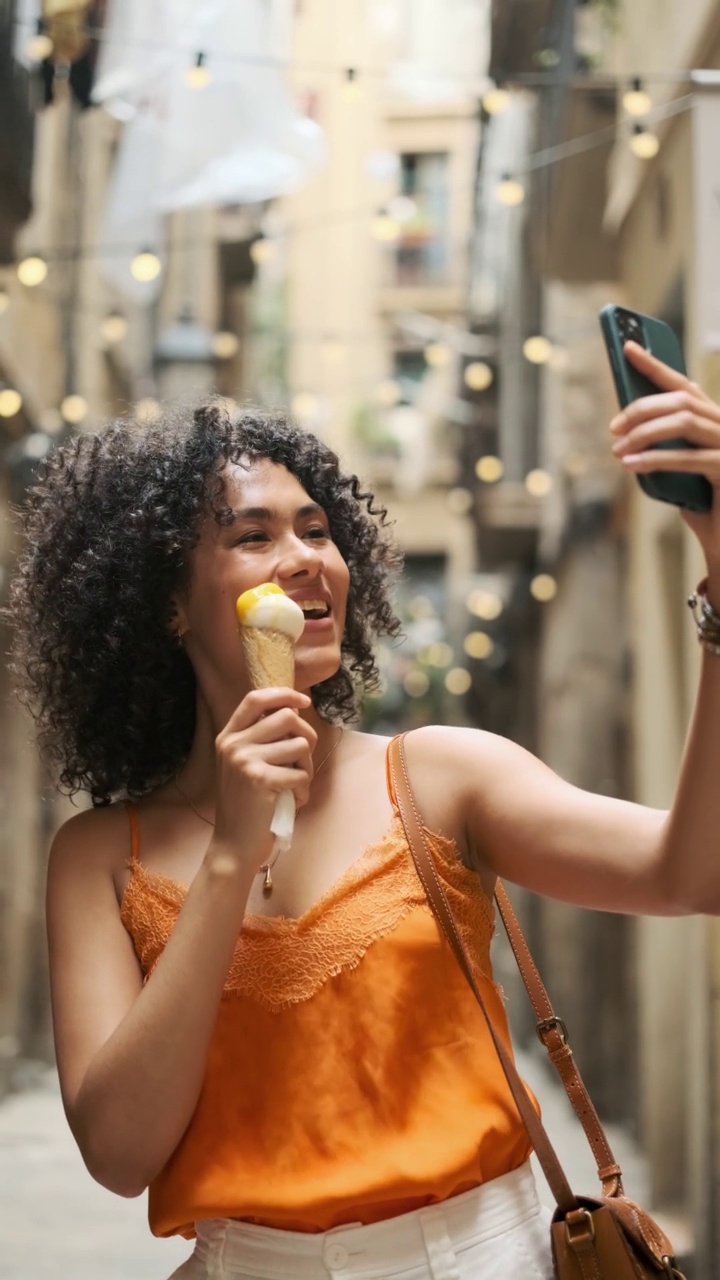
(267, 882)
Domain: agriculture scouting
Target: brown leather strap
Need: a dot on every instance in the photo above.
(412, 823)
(553, 1034)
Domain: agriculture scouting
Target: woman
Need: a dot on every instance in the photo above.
(301, 1078)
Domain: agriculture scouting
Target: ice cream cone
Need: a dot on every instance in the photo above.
(270, 657)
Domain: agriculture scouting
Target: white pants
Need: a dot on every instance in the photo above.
(496, 1232)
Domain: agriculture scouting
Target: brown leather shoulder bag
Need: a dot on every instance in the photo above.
(604, 1237)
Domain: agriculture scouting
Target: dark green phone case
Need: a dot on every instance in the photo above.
(682, 489)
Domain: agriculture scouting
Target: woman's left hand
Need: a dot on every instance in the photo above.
(679, 409)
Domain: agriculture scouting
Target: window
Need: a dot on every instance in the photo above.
(422, 251)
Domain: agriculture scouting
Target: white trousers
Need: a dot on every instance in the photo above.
(498, 1231)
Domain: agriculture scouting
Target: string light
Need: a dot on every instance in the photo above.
(510, 191)
(384, 227)
(388, 393)
(635, 99)
(197, 76)
(148, 410)
(416, 683)
(351, 89)
(478, 644)
(460, 501)
(225, 344)
(10, 402)
(496, 100)
(484, 604)
(39, 46)
(489, 469)
(304, 404)
(538, 483)
(438, 355)
(543, 587)
(36, 445)
(146, 266)
(4, 300)
(478, 376)
(537, 349)
(32, 271)
(439, 655)
(262, 250)
(458, 681)
(73, 409)
(114, 327)
(643, 143)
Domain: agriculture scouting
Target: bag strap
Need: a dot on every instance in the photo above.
(550, 1027)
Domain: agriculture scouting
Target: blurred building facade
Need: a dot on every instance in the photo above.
(616, 661)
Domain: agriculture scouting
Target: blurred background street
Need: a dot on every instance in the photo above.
(397, 220)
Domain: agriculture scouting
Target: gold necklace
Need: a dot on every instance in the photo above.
(267, 867)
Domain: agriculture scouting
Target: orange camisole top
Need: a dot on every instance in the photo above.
(351, 1076)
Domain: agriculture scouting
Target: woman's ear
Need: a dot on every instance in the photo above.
(179, 625)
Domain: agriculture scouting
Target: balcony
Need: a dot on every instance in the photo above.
(16, 138)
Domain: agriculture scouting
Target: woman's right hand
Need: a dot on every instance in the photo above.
(265, 748)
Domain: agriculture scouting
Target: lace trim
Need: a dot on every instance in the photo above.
(279, 961)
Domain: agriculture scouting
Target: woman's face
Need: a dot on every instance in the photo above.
(279, 535)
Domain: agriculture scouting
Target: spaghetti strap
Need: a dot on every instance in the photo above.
(134, 832)
(388, 776)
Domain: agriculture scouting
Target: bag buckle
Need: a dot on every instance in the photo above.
(552, 1024)
(670, 1266)
(581, 1230)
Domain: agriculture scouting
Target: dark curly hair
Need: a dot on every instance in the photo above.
(109, 527)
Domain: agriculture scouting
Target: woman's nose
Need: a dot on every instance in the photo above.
(300, 557)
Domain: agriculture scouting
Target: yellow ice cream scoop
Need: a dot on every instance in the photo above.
(270, 609)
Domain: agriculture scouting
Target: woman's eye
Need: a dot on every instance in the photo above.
(251, 537)
(317, 533)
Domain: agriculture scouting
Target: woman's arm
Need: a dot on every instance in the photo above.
(131, 1058)
(522, 822)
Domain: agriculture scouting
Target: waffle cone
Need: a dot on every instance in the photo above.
(270, 658)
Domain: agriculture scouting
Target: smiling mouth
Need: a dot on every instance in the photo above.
(315, 610)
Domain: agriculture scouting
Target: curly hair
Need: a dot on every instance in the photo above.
(110, 525)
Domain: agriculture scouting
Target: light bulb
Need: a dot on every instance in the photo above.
(458, 681)
(478, 644)
(197, 76)
(438, 355)
(148, 410)
(484, 604)
(416, 683)
(10, 402)
(459, 501)
(40, 46)
(402, 208)
(225, 344)
(478, 376)
(537, 349)
(643, 143)
(73, 409)
(351, 89)
(489, 469)
(496, 101)
(262, 251)
(114, 327)
(146, 266)
(510, 191)
(543, 587)
(388, 392)
(538, 483)
(636, 101)
(439, 655)
(32, 271)
(304, 404)
(384, 227)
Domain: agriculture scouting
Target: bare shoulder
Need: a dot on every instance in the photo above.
(91, 841)
(451, 766)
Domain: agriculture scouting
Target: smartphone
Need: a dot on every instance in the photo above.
(620, 325)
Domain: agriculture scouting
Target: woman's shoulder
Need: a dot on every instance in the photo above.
(97, 839)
